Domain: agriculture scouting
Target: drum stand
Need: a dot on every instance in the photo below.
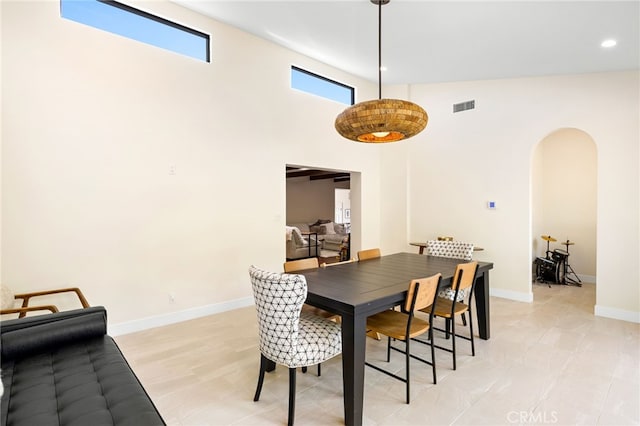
(548, 238)
(568, 270)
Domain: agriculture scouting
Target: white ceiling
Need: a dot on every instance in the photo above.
(440, 41)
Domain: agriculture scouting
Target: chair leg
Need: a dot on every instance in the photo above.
(304, 369)
(388, 349)
(453, 342)
(433, 359)
(319, 370)
(473, 348)
(407, 353)
(447, 322)
(292, 396)
(263, 367)
(464, 320)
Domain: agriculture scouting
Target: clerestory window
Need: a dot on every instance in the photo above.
(124, 20)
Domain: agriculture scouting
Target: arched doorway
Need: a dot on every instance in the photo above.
(564, 198)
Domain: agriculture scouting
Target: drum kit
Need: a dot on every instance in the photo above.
(554, 268)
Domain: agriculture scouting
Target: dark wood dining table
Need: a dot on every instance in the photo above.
(360, 289)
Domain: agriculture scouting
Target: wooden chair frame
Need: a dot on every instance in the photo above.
(328, 265)
(26, 298)
(369, 254)
(448, 309)
(300, 264)
(389, 324)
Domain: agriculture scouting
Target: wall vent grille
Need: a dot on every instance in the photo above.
(463, 106)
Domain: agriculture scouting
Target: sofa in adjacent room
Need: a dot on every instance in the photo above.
(299, 246)
(330, 236)
(63, 369)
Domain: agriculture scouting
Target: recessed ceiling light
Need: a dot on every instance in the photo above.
(608, 43)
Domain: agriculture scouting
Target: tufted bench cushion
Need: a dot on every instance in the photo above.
(63, 369)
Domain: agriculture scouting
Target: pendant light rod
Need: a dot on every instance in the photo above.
(379, 49)
(380, 3)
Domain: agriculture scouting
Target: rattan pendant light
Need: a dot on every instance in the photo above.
(381, 120)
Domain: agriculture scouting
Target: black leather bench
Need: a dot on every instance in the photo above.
(63, 369)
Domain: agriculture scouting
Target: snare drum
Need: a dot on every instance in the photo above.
(559, 255)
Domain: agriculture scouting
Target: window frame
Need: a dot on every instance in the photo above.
(351, 89)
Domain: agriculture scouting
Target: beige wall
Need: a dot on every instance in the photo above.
(464, 160)
(310, 200)
(93, 124)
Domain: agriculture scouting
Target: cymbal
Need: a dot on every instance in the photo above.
(549, 238)
(568, 243)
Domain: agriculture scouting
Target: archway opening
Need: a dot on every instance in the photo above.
(564, 205)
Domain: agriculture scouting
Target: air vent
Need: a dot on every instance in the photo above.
(463, 106)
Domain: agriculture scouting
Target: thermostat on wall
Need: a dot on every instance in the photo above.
(491, 205)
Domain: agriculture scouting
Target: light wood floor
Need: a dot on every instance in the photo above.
(548, 362)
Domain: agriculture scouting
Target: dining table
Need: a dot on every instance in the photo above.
(357, 290)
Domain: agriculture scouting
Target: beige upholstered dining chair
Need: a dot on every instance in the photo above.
(404, 326)
(300, 265)
(287, 336)
(369, 254)
(452, 250)
(463, 280)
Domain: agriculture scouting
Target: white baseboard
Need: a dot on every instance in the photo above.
(179, 316)
(511, 295)
(619, 314)
(587, 278)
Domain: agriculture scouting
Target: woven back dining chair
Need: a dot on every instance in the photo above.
(464, 279)
(404, 325)
(287, 336)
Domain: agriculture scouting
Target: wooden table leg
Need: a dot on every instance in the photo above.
(482, 305)
(353, 355)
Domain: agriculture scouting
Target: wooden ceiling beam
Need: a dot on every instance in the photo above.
(308, 172)
(330, 176)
